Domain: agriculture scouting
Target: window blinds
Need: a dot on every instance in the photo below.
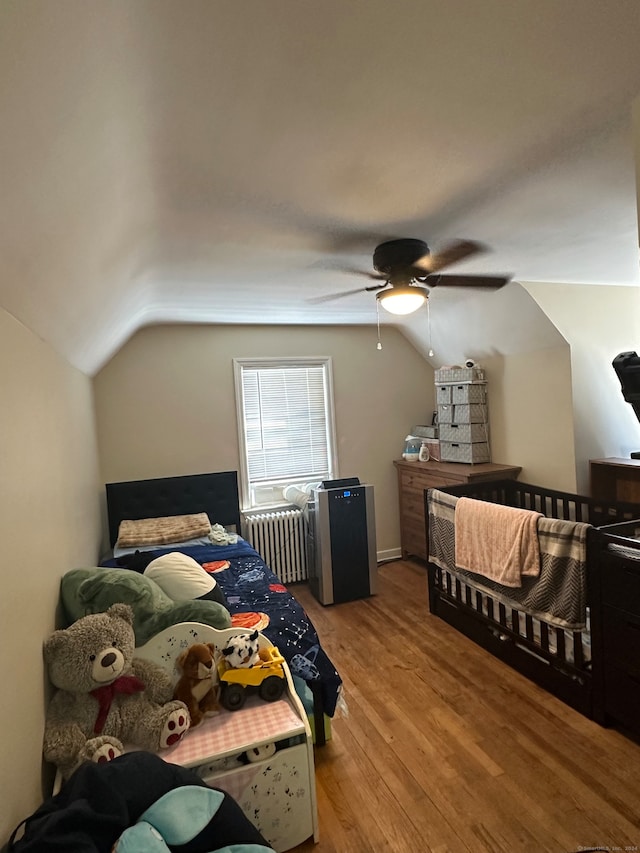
(286, 423)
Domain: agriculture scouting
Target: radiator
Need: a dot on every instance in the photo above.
(280, 539)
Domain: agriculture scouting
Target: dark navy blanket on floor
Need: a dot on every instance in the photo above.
(100, 802)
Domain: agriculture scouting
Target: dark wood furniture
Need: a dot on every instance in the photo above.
(415, 477)
(567, 663)
(615, 479)
(615, 625)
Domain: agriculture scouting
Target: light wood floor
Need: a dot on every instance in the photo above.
(445, 749)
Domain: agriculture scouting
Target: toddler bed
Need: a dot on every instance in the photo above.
(251, 590)
(542, 626)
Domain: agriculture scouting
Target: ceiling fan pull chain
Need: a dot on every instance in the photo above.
(429, 329)
(379, 346)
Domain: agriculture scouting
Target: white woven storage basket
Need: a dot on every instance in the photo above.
(458, 374)
(468, 393)
(474, 413)
(443, 394)
(469, 453)
(464, 433)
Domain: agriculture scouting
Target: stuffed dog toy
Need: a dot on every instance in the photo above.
(243, 650)
(198, 684)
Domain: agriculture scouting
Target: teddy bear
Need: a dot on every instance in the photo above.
(197, 686)
(106, 697)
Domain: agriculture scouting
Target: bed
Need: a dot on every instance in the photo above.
(248, 584)
(542, 628)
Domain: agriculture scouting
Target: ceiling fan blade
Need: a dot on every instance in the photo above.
(373, 275)
(486, 282)
(329, 297)
(451, 254)
(336, 266)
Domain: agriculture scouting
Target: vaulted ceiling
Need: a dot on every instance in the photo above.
(203, 161)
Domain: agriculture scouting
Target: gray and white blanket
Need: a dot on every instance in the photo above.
(558, 596)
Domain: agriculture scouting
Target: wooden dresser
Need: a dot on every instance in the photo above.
(615, 479)
(415, 477)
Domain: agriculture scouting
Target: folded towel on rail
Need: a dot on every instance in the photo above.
(499, 542)
(558, 596)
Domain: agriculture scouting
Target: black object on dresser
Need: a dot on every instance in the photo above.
(615, 626)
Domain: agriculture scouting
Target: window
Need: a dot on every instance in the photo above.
(285, 425)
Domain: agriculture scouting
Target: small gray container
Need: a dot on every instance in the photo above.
(443, 394)
(474, 413)
(465, 433)
(469, 393)
(469, 453)
(458, 374)
(425, 431)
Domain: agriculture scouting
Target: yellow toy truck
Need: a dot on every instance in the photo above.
(266, 677)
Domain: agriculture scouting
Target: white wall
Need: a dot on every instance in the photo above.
(165, 403)
(527, 362)
(49, 523)
(531, 417)
(599, 322)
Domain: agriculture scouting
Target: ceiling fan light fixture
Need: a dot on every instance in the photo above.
(404, 299)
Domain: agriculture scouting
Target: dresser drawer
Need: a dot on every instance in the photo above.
(422, 480)
(623, 697)
(621, 583)
(622, 639)
(415, 544)
(413, 507)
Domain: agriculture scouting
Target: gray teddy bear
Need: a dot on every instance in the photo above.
(105, 696)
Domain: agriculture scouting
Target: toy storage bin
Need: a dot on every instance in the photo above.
(460, 452)
(469, 393)
(474, 413)
(275, 793)
(464, 432)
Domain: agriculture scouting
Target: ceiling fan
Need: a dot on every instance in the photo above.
(409, 271)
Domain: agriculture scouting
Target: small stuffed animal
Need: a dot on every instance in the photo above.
(106, 697)
(243, 650)
(259, 753)
(198, 684)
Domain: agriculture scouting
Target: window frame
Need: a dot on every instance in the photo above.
(276, 363)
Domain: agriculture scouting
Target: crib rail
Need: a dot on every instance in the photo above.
(558, 660)
(557, 646)
(549, 502)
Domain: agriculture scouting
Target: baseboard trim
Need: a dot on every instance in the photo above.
(390, 554)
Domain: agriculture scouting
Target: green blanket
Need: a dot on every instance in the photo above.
(84, 591)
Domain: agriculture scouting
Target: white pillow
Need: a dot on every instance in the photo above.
(180, 576)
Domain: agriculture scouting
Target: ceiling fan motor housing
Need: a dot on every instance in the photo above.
(398, 254)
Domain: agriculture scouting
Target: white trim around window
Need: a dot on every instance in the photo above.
(286, 426)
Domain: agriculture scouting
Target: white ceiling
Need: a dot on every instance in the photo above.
(208, 161)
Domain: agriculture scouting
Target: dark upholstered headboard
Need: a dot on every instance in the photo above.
(215, 494)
